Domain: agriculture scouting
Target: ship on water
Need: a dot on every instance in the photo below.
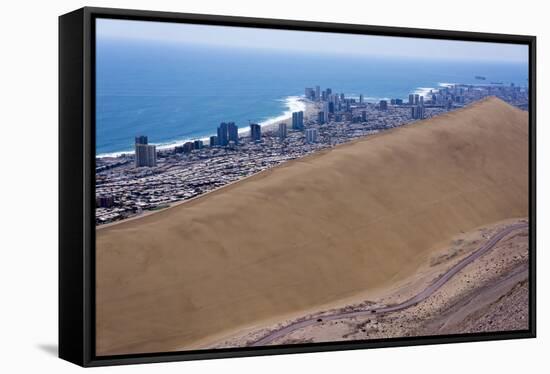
(480, 77)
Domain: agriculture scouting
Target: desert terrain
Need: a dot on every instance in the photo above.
(490, 294)
(350, 224)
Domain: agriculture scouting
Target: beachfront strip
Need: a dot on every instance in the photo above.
(127, 186)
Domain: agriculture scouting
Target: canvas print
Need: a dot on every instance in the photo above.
(262, 187)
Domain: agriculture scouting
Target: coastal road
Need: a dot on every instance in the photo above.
(423, 295)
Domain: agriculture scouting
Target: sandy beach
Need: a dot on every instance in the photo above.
(311, 108)
(351, 223)
(310, 112)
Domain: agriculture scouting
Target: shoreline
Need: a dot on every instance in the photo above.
(269, 124)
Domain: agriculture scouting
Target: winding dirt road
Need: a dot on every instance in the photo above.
(430, 290)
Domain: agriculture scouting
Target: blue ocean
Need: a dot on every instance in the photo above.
(175, 92)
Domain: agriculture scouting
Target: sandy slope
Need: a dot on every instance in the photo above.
(490, 294)
(361, 216)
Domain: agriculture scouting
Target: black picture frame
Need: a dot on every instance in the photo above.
(77, 196)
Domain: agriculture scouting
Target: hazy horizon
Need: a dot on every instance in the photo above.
(309, 42)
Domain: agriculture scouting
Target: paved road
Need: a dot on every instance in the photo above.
(423, 295)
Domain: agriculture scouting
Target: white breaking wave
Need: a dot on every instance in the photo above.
(292, 103)
(368, 99)
(423, 91)
(375, 99)
(114, 154)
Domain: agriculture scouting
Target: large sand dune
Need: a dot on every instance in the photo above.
(361, 216)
